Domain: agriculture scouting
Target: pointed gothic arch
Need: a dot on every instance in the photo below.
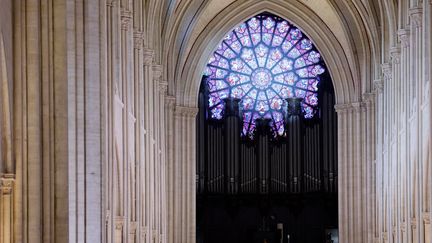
(355, 113)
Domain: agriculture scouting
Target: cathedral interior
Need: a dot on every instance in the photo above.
(237, 121)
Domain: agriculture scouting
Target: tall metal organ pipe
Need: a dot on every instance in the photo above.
(232, 145)
(294, 134)
(262, 136)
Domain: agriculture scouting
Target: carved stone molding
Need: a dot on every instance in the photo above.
(395, 53)
(163, 87)
(403, 35)
(386, 70)
(403, 227)
(144, 232)
(169, 101)
(413, 223)
(111, 3)
(119, 223)
(126, 19)
(185, 111)
(369, 99)
(138, 39)
(358, 106)
(343, 108)
(132, 227)
(157, 72)
(378, 85)
(7, 183)
(426, 217)
(416, 16)
(148, 56)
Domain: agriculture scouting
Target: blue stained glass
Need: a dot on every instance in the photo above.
(262, 62)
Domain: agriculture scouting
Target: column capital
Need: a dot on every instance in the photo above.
(426, 217)
(111, 3)
(163, 87)
(403, 35)
(155, 235)
(403, 226)
(414, 223)
(148, 56)
(378, 85)
(126, 19)
(144, 232)
(7, 183)
(358, 106)
(119, 222)
(133, 227)
(416, 16)
(395, 53)
(343, 108)
(170, 101)
(186, 111)
(157, 72)
(386, 70)
(368, 99)
(138, 39)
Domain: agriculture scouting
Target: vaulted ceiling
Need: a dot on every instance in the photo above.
(355, 24)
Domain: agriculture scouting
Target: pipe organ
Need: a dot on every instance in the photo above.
(303, 160)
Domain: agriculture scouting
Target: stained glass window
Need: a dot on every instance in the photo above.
(262, 62)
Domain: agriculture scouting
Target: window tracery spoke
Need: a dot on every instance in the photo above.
(262, 62)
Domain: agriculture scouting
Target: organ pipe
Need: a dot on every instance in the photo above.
(262, 136)
(303, 160)
(232, 140)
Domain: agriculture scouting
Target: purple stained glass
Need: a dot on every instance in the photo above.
(264, 61)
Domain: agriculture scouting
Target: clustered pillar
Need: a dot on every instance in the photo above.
(135, 179)
(403, 158)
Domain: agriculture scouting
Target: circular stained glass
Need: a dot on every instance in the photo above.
(261, 78)
(262, 62)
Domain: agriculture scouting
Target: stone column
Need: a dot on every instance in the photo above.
(139, 133)
(355, 190)
(184, 175)
(379, 208)
(157, 115)
(427, 227)
(163, 88)
(7, 208)
(149, 142)
(169, 135)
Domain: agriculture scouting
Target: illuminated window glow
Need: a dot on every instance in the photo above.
(262, 62)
